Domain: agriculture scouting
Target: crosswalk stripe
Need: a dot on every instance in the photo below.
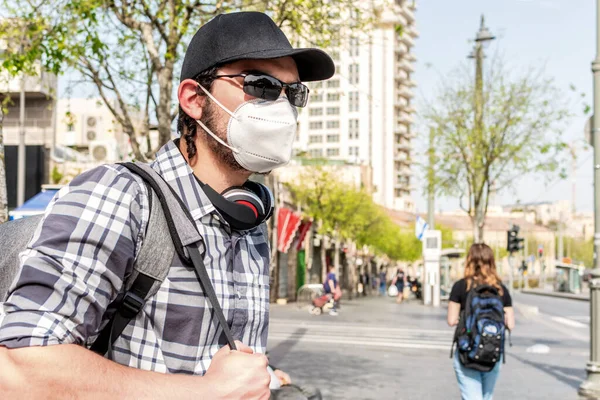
(355, 342)
(359, 335)
(303, 324)
(569, 322)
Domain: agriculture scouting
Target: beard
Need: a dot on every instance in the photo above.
(216, 120)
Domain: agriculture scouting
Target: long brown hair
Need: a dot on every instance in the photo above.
(480, 268)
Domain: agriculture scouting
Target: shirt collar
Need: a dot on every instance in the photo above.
(175, 170)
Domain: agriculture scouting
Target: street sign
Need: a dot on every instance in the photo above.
(589, 137)
(432, 251)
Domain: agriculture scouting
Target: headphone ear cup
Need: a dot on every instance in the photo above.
(265, 196)
(246, 197)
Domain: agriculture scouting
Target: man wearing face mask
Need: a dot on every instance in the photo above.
(239, 90)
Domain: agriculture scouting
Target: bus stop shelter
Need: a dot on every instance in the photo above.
(568, 278)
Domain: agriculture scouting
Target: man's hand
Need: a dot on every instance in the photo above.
(239, 375)
(283, 377)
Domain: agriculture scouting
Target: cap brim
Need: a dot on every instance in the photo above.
(313, 64)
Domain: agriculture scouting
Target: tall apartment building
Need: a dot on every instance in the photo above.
(364, 113)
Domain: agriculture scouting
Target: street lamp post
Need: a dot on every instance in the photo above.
(590, 388)
(482, 40)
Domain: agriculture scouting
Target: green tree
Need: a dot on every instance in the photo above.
(345, 212)
(131, 50)
(519, 133)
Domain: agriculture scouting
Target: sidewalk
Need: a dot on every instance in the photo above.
(572, 296)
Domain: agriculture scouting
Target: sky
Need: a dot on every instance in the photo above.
(557, 34)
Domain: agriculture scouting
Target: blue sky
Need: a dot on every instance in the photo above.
(559, 34)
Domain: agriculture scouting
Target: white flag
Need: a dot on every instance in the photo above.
(420, 227)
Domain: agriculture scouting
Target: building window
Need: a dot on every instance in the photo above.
(333, 138)
(353, 151)
(333, 111)
(333, 83)
(315, 139)
(316, 153)
(354, 47)
(316, 85)
(316, 98)
(353, 101)
(335, 55)
(353, 74)
(333, 152)
(333, 96)
(315, 111)
(315, 125)
(353, 129)
(333, 124)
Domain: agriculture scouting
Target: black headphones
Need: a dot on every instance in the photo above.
(243, 207)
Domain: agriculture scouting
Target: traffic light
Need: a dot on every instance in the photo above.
(513, 241)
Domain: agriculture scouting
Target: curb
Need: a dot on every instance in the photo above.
(571, 296)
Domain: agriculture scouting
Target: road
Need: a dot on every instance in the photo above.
(574, 310)
(376, 349)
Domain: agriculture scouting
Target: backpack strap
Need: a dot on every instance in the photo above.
(184, 235)
(149, 271)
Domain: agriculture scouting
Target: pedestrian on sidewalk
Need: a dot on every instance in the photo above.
(399, 281)
(382, 282)
(332, 288)
(240, 86)
(482, 300)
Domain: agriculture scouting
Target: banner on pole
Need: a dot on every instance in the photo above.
(420, 227)
(287, 225)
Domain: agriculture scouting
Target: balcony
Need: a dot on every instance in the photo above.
(43, 85)
(408, 12)
(410, 57)
(409, 83)
(401, 48)
(403, 147)
(405, 65)
(405, 118)
(405, 92)
(407, 39)
(404, 172)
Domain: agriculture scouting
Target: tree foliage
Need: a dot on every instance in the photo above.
(131, 50)
(350, 213)
(521, 133)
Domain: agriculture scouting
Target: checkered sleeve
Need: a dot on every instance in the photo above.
(76, 262)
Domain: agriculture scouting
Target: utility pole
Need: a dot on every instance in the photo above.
(430, 181)
(21, 149)
(590, 388)
(482, 39)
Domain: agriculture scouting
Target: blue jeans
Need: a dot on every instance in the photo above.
(382, 288)
(475, 385)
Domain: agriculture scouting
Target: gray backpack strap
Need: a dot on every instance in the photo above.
(14, 238)
(149, 271)
(184, 234)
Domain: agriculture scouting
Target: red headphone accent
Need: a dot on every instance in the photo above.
(249, 205)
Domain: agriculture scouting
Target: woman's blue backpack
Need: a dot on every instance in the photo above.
(479, 336)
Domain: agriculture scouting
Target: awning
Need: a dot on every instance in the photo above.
(34, 206)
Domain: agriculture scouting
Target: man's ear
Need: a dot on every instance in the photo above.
(189, 99)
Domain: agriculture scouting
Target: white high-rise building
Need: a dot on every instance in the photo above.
(364, 113)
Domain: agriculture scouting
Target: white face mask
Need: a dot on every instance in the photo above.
(260, 133)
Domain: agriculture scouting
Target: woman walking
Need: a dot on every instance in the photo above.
(399, 281)
(481, 300)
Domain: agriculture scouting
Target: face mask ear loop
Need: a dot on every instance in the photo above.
(216, 101)
(216, 137)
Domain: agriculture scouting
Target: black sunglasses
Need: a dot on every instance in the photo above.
(268, 88)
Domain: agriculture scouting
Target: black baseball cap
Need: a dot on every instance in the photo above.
(249, 36)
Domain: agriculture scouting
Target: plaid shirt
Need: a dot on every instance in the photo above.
(76, 262)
